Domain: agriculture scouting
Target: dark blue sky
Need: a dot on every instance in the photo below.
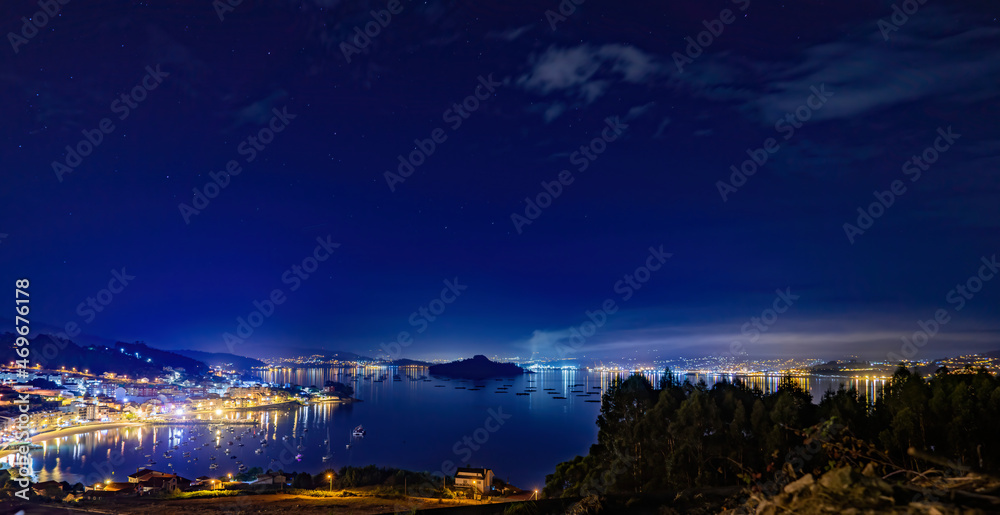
(685, 114)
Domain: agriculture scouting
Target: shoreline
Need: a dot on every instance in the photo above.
(70, 431)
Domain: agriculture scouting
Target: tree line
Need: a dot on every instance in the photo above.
(681, 435)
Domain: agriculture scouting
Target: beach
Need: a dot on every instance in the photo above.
(69, 431)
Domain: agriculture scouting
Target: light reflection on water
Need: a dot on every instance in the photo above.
(412, 423)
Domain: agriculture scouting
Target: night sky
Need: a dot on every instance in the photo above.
(486, 101)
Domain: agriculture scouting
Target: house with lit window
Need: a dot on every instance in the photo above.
(477, 479)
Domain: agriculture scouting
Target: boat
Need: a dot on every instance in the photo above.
(359, 431)
(213, 466)
(329, 455)
(298, 457)
(138, 447)
(258, 451)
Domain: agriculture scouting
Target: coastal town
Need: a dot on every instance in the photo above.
(62, 399)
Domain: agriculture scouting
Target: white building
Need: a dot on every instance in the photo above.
(480, 480)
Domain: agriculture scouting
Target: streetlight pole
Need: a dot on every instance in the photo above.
(330, 477)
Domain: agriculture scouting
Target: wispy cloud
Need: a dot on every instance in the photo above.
(586, 72)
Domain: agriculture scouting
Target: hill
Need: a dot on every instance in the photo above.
(131, 359)
(476, 367)
(238, 363)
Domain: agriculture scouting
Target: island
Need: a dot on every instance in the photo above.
(477, 367)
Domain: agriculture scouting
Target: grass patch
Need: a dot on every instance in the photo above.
(319, 493)
(205, 494)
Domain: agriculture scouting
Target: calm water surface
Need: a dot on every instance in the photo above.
(415, 423)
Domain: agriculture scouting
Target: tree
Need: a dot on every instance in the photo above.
(303, 481)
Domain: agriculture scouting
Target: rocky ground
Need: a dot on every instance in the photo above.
(846, 490)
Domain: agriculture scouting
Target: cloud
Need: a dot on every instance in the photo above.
(796, 334)
(259, 111)
(544, 341)
(866, 73)
(661, 128)
(554, 111)
(586, 72)
(509, 34)
(639, 110)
